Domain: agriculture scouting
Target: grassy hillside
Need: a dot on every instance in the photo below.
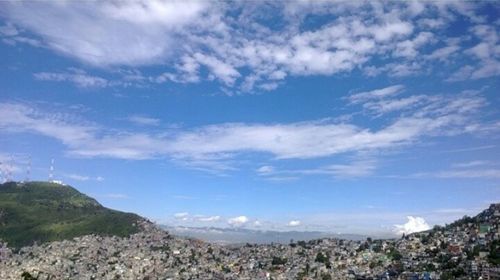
(42, 211)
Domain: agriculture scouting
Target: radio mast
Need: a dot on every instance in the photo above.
(28, 169)
(51, 171)
(10, 169)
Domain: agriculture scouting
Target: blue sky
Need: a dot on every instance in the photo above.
(335, 116)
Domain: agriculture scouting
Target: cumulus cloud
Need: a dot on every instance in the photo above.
(183, 216)
(294, 223)
(414, 224)
(238, 221)
(208, 218)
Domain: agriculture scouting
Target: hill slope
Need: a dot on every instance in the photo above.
(42, 211)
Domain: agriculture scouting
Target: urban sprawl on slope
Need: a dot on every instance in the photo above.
(467, 249)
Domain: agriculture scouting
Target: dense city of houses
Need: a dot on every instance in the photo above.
(466, 249)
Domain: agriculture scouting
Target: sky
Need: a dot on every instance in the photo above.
(350, 117)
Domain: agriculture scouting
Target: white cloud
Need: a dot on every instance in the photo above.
(443, 53)
(375, 94)
(294, 223)
(78, 77)
(11, 36)
(470, 173)
(238, 221)
(473, 163)
(198, 40)
(409, 48)
(355, 169)
(486, 54)
(385, 106)
(478, 169)
(461, 74)
(143, 120)
(107, 33)
(208, 219)
(265, 170)
(15, 117)
(8, 30)
(414, 224)
(216, 147)
(78, 177)
(221, 70)
(183, 216)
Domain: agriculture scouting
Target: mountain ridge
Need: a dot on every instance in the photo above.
(233, 236)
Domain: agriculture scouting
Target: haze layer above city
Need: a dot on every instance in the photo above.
(373, 118)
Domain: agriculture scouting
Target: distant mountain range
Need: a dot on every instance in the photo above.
(42, 211)
(241, 235)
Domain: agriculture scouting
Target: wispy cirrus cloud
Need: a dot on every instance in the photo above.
(473, 163)
(354, 169)
(217, 148)
(78, 77)
(143, 120)
(375, 94)
(470, 173)
(79, 177)
(476, 169)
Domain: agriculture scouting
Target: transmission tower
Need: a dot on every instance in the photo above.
(10, 169)
(51, 171)
(28, 169)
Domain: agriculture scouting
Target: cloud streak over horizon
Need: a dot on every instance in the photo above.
(439, 115)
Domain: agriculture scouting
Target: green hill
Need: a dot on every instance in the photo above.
(42, 211)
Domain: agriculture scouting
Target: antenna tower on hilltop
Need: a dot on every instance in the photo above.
(28, 169)
(51, 171)
(10, 169)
